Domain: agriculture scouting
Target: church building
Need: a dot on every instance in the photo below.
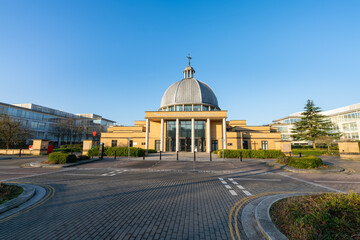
(189, 119)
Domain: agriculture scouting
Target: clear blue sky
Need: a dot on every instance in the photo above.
(263, 59)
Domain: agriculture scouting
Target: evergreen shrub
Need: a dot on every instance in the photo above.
(305, 162)
(61, 158)
(248, 153)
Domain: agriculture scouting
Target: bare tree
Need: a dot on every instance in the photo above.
(12, 133)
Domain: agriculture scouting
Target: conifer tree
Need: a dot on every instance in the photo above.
(313, 125)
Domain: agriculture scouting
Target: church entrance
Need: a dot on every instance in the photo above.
(185, 144)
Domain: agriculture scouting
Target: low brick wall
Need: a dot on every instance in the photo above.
(14, 151)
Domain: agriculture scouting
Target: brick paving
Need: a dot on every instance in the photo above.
(151, 199)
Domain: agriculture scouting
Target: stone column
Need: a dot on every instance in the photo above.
(147, 135)
(224, 133)
(208, 137)
(177, 134)
(192, 135)
(162, 136)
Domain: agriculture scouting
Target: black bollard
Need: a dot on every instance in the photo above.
(194, 156)
(20, 153)
(240, 156)
(300, 154)
(115, 155)
(144, 156)
(177, 155)
(160, 155)
(210, 157)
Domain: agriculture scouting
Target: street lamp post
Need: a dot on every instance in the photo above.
(223, 148)
(128, 148)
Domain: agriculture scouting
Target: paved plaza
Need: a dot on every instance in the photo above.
(152, 199)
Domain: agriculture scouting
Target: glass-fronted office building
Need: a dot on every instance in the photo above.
(346, 120)
(55, 125)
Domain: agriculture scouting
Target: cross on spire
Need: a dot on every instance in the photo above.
(189, 57)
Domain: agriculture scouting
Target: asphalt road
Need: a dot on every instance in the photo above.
(152, 199)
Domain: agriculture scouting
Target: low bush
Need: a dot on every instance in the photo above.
(82, 157)
(8, 192)
(61, 158)
(124, 151)
(283, 160)
(72, 147)
(150, 150)
(305, 162)
(310, 152)
(323, 216)
(93, 152)
(62, 150)
(215, 152)
(247, 153)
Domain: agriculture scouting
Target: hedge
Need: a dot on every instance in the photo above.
(124, 151)
(310, 152)
(150, 150)
(305, 162)
(248, 153)
(120, 151)
(72, 147)
(61, 158)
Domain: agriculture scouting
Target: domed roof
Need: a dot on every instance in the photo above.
(189, 91)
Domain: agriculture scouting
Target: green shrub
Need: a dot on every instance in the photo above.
(150, 150)
(72, 147)
(215, 152)
(283, 160)
(61, 158)
(248, 153)
(123, 151)
(93, 152)
(305, 162)
(65, 150)
(311, 152)
(323, 216)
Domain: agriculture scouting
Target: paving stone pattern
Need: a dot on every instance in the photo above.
(121, 199)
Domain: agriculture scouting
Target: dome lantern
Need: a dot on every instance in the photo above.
(189, 71)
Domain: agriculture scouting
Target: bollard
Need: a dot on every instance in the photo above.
(144, 156)
(210, 157)
(115, 155)
(300, 154)
(290, 154)
(240, 156)
(194, 156)
(177, 155)
(160, 155)
(20, 153)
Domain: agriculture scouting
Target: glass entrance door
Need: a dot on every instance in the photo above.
(185, 144)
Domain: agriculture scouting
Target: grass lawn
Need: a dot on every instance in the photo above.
(308, 152)
(322, 216)
(8, 192)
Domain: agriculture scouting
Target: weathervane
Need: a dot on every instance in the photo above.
(189, 57)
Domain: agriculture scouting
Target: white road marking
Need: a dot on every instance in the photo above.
(335, 182)
(223, 182)
(233, 192)
(234, 182)
(231, 179)
(80, 174)
(318, 185)
(221, 179)
(247, 193)
(241, 187)
(261, 179)
(227, 186)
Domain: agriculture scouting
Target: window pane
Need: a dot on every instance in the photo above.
(188, 108)
(197, 107)
(179, 108)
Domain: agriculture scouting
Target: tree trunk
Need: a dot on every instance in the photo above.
(314, 145)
